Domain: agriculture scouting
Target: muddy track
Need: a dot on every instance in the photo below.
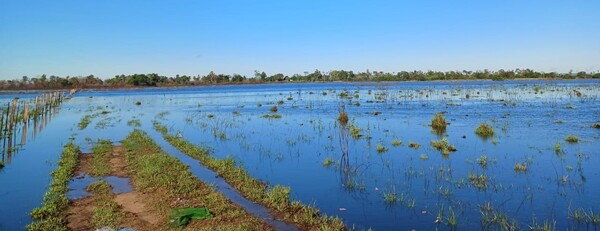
(132, 206)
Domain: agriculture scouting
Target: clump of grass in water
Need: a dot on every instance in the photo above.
(413, 145)
(484, 130)
(50, 215)
(557, 148)
(343, 118)
(424, 157)
(273, 108)
(355, 132)
(520, 167)
(483, 161)
(390, 198)
(596, 126)
(272, 116)
(572, 139)
(396, 143)
(380, 148)
(479, 181)
(443, 146)
(328, 162)
(85, 121)
(438, 122)
(134, 123)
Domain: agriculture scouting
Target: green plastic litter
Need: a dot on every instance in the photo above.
(180, 217)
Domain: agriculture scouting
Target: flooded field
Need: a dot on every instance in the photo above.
(385, 167)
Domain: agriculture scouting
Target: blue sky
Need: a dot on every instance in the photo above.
(112, 37)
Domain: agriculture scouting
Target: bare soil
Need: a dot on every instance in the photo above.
(137, 213)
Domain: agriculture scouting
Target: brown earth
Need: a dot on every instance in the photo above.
(136, 213)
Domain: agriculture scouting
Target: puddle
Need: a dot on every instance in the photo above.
(78, 184)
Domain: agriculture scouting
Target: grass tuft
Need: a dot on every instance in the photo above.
(484, 130)
(438, 122)
(572, 139)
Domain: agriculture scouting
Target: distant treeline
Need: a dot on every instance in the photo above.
(153, 79)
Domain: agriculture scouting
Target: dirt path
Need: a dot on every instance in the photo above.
(136, 213)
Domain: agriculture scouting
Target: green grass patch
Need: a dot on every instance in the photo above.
(101, 153)
(275, 198)
(167, 179)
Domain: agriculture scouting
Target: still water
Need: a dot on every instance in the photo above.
(365, 180)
